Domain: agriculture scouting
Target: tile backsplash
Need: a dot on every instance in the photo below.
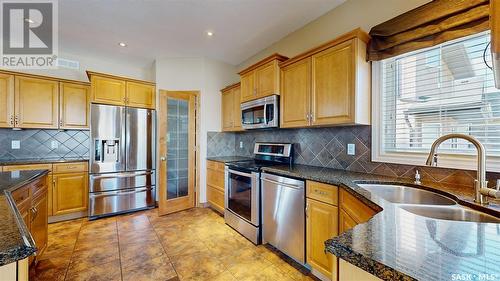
(327, 147)
(37, 144)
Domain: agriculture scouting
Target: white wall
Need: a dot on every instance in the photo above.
(344, 18)
(141, 71)
(208, 77)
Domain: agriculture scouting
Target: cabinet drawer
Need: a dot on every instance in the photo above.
(356, 209)
(216, 179)
(323, 192)
(215, 198)
(38, 186)
(21, 194)
(214, 165)
(27, 167)
(73, 167)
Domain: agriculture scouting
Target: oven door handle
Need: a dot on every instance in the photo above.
(240, 173)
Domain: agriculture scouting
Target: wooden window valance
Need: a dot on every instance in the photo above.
(433, 23)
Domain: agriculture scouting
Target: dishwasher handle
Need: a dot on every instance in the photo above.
(299, 187)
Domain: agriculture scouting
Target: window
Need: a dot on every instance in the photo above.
(422, 95)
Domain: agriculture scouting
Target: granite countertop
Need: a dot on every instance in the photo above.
(398, 245)
(16, 242)
(6, 162)
(227, 159)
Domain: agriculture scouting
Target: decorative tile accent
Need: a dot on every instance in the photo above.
(327, 147)
(36, 144)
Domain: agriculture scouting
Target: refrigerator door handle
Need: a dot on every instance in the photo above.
(122, 175)
(113, 193)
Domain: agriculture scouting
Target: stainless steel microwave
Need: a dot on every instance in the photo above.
(261, 113)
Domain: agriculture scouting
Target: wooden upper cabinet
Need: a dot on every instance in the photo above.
(115, 90)
(248, 91)
(74, 106)
(333, 85)
(237, 109)
(141, 95)
(36, 103)
(267, 79)
(227, 110)
(6, 100)
(261, 79)
(321, 225)
(295, 94)
(231, 110)
(336, 90)
(108, 90)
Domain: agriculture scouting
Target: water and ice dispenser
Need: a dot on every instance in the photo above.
(107, 151)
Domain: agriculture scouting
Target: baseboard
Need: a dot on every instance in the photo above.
(320, 275)
(71, 216)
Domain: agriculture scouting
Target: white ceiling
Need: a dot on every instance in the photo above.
(177, 28)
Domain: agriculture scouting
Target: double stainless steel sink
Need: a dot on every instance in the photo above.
(427, 203)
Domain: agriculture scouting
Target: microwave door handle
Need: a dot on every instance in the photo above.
(265, 113)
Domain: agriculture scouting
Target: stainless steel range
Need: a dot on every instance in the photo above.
(122, 161)
(243, 194)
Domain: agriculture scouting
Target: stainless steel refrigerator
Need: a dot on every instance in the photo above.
(122, 160)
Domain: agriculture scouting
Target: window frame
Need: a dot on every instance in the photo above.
(445, 160)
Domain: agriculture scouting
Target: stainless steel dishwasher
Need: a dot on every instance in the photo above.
(283, 222)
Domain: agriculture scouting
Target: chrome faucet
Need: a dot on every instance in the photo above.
(480, 184)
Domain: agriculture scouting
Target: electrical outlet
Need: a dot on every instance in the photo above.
(351, 149)
(241, 144)
(54, 144)
(15, 144)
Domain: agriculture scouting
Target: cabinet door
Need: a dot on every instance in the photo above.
(237, 109)
(346, 222)
(141, 95)
(36, 103)
(74, 100)
(6, 101)
(248, 87)
(39, 221)
(227, 110)
(24, 210)
(107, 90)
(267, 79)
(333, 74)
(216, 198)
(322, 224)
(295, 100)
(70, 193)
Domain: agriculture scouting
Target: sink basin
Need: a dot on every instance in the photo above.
(400, 194)
(451, 213)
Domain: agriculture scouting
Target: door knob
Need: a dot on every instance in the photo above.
(163, 158)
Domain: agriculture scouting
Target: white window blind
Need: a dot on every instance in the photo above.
(444, 89)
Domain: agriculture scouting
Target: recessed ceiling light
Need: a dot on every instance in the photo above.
(210, 33)
(29, 20)
(122, 44)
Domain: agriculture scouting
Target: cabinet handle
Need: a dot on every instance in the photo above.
(307, 210)
(16, 119)
(12, 120)
(60, 123)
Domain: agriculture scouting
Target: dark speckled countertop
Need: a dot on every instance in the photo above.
(227, 159)
(16, 242)
(5, 162)
(398, 245)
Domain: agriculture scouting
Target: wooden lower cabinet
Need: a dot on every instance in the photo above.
(69, 193)
(349, 272)
(215, 185)
(346, 222)
(39, 221)
(321, 225)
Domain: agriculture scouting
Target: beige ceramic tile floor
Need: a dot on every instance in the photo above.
(189, 245)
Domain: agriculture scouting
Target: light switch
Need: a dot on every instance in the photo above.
(241, 144)
(54, 144)
(15, 144)
(351, 149)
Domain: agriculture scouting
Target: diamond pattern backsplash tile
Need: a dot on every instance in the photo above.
(327, 147)
(37, 144)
